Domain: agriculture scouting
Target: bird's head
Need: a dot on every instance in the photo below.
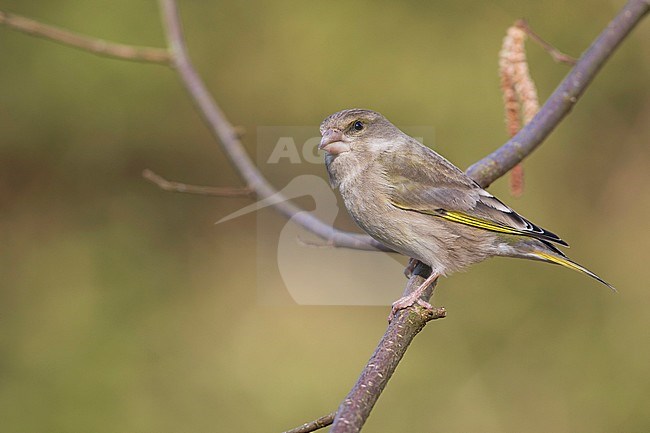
(353, 139)
(357, 131)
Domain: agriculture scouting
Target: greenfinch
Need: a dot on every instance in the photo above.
(416, 202)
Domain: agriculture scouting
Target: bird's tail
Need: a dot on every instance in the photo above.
(560, 259)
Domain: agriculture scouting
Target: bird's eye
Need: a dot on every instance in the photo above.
(358, 125)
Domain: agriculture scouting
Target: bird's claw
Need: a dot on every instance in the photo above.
(414, 297)
(408, 301)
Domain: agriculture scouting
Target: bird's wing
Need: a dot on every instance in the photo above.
(423, 181)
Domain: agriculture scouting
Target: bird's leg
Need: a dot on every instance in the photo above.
(410, 267)
(413, 297)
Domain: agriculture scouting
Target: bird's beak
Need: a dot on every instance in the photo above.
(333, 142)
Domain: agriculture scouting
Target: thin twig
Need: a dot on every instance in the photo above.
(560, 103)
(555, 54)
(169, 185)
(317, 424)
(93, 45)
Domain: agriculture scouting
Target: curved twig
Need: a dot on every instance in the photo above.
(555, 54)
(93, 45)
(317, 424)
(169, 185)
(231, 144)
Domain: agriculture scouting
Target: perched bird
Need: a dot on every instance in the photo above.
(416, 202)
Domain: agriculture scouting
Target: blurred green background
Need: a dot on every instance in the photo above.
(124, 308)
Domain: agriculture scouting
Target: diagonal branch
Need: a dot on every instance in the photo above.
(405, 325)
(560, 103)
(93, 45)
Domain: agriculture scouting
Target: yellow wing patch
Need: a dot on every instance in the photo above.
(462, 218)
(472, 221)
(459, 217)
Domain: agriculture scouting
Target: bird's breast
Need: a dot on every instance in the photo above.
(365, 193)
(367, 201)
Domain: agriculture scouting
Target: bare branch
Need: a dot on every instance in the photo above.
(403, 328)
(317, 424)
(168, 185)
(560, 103)
(228, 136)
(93, 45)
